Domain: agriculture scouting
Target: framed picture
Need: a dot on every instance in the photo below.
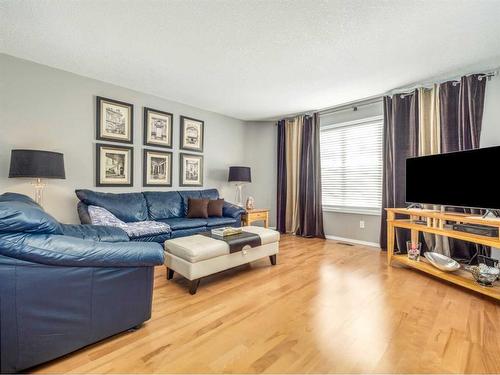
(114, 165)
(157, 128)
(191, 170)
(157, 168)
(114, 120)
(192, 134)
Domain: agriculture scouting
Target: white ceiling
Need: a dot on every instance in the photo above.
(255, 59)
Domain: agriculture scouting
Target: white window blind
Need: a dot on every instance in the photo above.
(351, 165)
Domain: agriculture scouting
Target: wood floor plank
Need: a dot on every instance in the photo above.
(325, 307)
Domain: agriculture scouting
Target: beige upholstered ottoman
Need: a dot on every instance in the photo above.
(201, 255)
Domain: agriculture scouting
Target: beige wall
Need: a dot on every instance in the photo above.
(49, 109)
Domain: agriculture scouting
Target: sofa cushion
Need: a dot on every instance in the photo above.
(128, 207)
(184, 223)
(57, 250)
(95, 232)
(159, 238)
(164, 204)
(16, 197)
(215, 207)
(197, 208)
(186, 194)
(210, 194)
(187, 232)
(217, 221)
(27, 217)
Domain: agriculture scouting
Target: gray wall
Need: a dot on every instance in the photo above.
(260, 155)
(50, 109)
(490, 135)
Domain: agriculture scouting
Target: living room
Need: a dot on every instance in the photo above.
(249, 187)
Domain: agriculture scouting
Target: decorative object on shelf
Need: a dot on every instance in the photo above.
(192, 134)
(403, 218)
(157, 128)
(157, 168)
(240, 176)
(484, 275)
(442, 262)
(226, 231)
(413, 250)
(191, 170)
(250, 205)
(114, 120)
(114, 165)
(37, 164)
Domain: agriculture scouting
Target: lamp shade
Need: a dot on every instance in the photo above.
(36, 164)
(240, 174)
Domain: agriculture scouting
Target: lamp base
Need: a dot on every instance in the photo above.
(239, 195)
(38, 185)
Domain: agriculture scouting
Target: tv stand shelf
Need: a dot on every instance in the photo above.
(435, 221)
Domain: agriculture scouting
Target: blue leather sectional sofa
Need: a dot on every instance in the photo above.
(168, 207)
(63, 287)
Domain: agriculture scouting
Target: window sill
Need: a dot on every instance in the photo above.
(354, 210)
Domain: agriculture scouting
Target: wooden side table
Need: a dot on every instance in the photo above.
(258, 214)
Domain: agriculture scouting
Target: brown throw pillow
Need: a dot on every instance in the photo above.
(215, 207)
(197, 208)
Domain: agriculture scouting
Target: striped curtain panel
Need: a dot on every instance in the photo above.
(299, 206)
(449, 119)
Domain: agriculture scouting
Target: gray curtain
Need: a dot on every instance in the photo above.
(461, 107)
(310, 203)
(400, 143)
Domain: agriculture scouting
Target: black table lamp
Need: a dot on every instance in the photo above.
(239, 175)
(37, 164)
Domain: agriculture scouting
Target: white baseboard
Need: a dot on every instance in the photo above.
(350, 240)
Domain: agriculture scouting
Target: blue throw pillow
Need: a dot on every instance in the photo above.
(21, 216)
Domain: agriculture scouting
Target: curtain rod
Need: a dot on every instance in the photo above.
(408, 91)
(405, 91)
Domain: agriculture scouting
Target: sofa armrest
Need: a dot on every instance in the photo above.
(95, 232)
(58, 250)
(232, 210)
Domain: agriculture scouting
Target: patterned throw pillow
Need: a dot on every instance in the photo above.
(101, 216)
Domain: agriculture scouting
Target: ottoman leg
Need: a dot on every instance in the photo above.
(272, 258)
(194, 286)
(170, 273)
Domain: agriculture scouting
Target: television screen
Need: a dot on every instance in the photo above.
(465, 178)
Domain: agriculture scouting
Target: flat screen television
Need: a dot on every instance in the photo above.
(461, 179)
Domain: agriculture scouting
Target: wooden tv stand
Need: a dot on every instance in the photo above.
(435, 221)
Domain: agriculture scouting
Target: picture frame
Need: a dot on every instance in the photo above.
(190, 170)
(157, 168)
(114, 165)
(192, 134)
(158, 128)
(114, 120)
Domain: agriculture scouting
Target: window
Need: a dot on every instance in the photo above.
(351, 165)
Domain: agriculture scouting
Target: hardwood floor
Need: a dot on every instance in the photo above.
(326, 307)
